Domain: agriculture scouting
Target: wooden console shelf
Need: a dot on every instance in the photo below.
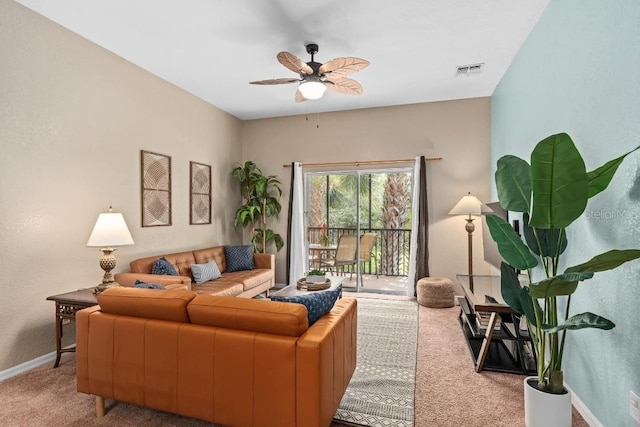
(503, 346)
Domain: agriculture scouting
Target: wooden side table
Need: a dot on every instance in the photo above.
(66, 307)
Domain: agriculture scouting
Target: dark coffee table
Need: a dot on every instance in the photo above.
(66, 307)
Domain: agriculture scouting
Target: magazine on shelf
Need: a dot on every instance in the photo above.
(483, 318)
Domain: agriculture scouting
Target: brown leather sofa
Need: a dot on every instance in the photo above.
(233, 361)
(247, 283)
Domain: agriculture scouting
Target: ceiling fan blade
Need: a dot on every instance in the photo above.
(345, 86)
(294, 63)
(299, 96)
(343, 66)
(275, 81)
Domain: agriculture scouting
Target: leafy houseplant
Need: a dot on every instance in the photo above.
(260, 194)
(551, 193)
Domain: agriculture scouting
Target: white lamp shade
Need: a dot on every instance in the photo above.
(110, 230)
(468, 205)
(312, 89)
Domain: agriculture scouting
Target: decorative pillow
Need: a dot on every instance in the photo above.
(318, 303)
(239, 258)
(205, 272)
(141, 284)
(162, 266)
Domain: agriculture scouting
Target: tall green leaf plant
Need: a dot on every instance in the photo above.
(260, 194)
(551, 192)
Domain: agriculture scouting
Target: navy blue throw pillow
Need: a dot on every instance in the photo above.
(162, 266)
(318, 303)
(145, 285)
(239, 258)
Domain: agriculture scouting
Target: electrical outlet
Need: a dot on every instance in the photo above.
(634, 403)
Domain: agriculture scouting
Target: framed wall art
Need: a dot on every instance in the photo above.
(200, 193)
(156, 189)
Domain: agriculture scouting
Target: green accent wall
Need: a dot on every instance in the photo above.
(579, 72)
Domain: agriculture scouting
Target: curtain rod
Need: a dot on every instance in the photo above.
(365, 162)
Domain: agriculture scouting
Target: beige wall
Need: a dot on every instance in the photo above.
(73, 119)
(458, 131)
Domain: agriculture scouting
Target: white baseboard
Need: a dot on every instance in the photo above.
(27, 366)
(583, 410)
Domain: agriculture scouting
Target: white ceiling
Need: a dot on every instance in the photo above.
(213, 49)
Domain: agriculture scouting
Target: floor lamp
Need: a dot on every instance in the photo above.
(468, 205)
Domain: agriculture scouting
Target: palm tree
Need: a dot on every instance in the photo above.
(318, 198)
(395, 208)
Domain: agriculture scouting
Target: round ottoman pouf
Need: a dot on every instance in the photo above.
(435, 292)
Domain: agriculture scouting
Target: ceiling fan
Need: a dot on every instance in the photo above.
(316, 78)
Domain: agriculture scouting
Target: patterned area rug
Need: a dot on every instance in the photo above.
(381, 391)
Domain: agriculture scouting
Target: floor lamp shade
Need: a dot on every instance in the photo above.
(468, 205)
(110, 230)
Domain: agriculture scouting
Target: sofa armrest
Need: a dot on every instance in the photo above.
(82, 348)
(267, 261)
(325, 361)
(170, 282)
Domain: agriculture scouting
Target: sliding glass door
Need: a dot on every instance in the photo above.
(358, 226)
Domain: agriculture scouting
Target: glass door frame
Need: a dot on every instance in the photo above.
(358, 174)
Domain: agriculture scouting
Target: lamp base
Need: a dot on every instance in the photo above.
(107, 263)
(104, 286)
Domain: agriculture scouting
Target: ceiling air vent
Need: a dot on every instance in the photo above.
(466, 70)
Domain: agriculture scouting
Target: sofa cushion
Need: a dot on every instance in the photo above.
(248, 315)
(239, 258)
(215, 253)
(318, 303)
(250, 278)
(145, 285)
(162, 266)
(147, 303)
(204, 272)
(220, 287)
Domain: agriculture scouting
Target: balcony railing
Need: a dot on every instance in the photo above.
(391, 249)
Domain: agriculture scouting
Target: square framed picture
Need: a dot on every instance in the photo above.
(155, 174)
(200, 193)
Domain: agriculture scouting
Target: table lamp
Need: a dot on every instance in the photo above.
(468, 205)
(110, 230)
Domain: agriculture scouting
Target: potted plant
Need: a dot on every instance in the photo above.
(260, 194)
(316, 276)
(551, 192)
(324, 238)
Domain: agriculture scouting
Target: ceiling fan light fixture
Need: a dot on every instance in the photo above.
(312, 89)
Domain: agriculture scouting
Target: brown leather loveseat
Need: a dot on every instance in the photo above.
(247, 283)
(233, 361)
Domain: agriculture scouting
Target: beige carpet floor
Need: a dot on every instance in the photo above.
(448, 391)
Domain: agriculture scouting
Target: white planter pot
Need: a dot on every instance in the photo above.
(316, 279)
(545, 409)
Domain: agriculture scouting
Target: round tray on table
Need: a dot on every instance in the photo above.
(302, 284)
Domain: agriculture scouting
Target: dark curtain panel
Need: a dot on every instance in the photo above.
(290, 213)
(422, 252)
